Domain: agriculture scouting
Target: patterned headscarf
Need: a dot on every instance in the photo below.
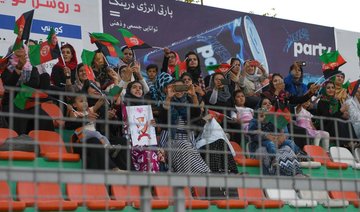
(331, 100)
(157, 89)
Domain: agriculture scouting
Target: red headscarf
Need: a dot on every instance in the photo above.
(171, 69)
(73, 62)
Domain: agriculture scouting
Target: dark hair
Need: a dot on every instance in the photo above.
(214, 74)
(233, 59)
(152, 66)
(238, 91)
(128, 88)
(185, 74)
(271, 85)
(187, 59)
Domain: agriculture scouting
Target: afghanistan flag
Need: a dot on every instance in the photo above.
(107, 44)
(22, 28)
(133, 41)
(115, 92)
(27, 97)
(179, 69)
(331, 62)
(280, 118)
(87, 58)
(46, 51)
(352, 87)
(222, 68)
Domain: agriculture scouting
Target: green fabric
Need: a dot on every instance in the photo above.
(115, 91)
(104, 37)
(358, 48)
(21, 98)
(87, 57)
(126, 33)
(329, 57)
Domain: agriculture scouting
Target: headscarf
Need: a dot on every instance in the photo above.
(222, 95)
(129, 96)
(157, 89)
(171, 69)
(13, 61)
(195, 72)
(330, 100)
(78, 82)
(73, 62)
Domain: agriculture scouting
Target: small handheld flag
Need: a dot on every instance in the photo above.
(133, 41)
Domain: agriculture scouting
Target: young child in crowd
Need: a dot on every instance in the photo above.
(243, 115)
(81, 110)
(151, 71)
(303, 119)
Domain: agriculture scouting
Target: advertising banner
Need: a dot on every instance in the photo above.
(346, 42)
(218, 34)
(71, 19)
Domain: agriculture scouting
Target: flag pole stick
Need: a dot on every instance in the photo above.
(262, 87)
(107, 62)
(157, 47)
(318, 80)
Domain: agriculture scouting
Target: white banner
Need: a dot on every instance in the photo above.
(346, 42)
(71, 19)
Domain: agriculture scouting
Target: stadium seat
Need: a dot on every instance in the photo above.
(131, 195)
(200, 193)
(54, 112)
(6, 133)
(320, 155)
(357, 154)
(350, 196)
(256, 197)
(44, 196)
(240, 158)
(322, 197)
(165, 193)
(6, 201)
(52, 147)
(290, 197)
(94, 196)
(343, 155)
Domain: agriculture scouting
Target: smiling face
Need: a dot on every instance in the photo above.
(82, 74)
(66, 52)
(266, 104)
(249, 69)
(80, 103)
(136, 90)
(330, 89)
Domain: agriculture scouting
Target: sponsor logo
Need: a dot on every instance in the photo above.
(309, 49)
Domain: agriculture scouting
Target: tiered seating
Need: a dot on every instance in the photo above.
(54, 112)
(52, 146)
(343, 155)
(6, 133)
(131, 195)
(44, 196)
(322, 197)
(320, 155)
(94, 196)
(256, 197)
(240, 158)
(290, 197)
(350, 196)
(6, 201)
(166, 193)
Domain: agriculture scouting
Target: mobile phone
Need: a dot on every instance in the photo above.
(224, 82)
(301, 63)
(181, 88)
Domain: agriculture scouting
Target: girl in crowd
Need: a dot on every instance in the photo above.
(294, 81)
(330, 107)
(243, 115)
(303, 119)
(142, 159)
(251, 78)
(65, 69)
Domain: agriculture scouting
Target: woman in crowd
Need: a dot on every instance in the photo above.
(179, 142)
(251, 78)
(234, 74)
(354, 111)
(129, 55)
(283, 100)
(330, 107)
(171, 59)
(294, 81)
(65, 69)
(340, 92)
(194, 69)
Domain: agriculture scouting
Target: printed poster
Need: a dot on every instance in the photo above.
(141, 131)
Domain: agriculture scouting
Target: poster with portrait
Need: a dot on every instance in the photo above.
(141, 131)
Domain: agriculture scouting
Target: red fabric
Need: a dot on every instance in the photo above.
(73, 62)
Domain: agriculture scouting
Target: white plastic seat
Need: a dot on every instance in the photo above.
(290, 197)
(310, 164)
(357, 154)
(343, 155)
(322, 197)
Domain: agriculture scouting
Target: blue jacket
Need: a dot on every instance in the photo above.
(292, 88)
